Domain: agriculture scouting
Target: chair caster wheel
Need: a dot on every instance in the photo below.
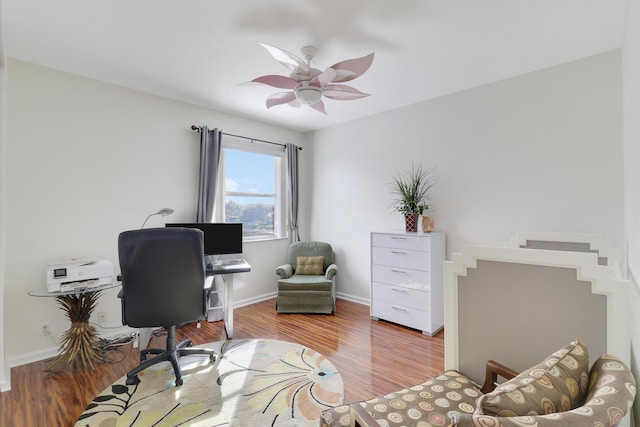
(212, 358)
(133, 380)
(179, 381)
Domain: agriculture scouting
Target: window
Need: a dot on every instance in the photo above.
(252, 189)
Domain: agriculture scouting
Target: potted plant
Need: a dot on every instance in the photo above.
(411, 191)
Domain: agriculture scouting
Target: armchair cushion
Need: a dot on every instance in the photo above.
(309, 265)
(557, 384)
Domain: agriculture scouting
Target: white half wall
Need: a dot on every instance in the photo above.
(631, 103)
(86, 160)
(542, 151)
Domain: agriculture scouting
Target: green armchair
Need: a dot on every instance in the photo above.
(307, 280)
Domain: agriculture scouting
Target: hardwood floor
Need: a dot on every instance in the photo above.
(373, 357)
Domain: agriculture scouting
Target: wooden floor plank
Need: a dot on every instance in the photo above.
(373, 357)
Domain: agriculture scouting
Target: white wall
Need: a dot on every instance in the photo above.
(86, 160)
(631, 79)
(5, 376)
(540, 152)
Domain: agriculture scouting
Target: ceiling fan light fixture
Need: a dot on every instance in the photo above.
(306, 85)
(308, 95)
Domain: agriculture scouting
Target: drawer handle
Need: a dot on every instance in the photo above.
(398, 238)
(399, 309)
(398, 252)
(399, 290)
(399, 271)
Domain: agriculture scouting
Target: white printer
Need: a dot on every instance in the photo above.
(74, 273)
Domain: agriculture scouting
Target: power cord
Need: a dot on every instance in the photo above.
(47, 332)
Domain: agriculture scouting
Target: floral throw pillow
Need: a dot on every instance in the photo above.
(557, 384)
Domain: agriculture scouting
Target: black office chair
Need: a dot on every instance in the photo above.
(163, 284)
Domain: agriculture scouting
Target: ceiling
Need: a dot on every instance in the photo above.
(198, 51)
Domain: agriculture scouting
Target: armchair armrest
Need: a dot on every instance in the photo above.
(494, 370)
(285, 271)
(331, 272)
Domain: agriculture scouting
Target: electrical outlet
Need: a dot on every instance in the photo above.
(45, 329)
(102, 316)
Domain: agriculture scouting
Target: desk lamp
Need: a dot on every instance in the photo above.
(164, 212)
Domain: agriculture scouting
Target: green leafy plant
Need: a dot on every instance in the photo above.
(411, 190)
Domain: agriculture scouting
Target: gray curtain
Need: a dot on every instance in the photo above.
(210, 143)
(210, 150)
(292, 189)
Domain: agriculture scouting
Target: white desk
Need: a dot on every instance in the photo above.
(226, 269)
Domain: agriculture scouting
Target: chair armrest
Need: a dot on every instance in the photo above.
(494, 370)
(285, 271)
(331, 272)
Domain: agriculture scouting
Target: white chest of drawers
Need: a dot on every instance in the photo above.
(407, 279)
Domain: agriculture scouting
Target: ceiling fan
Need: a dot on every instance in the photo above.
(308, 85)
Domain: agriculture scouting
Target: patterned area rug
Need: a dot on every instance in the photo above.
(252, 383)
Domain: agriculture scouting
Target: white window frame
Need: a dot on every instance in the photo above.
(281, 217)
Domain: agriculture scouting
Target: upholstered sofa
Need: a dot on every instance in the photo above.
(306, 282)
(561, 391)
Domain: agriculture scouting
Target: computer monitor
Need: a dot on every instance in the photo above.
(219, 238)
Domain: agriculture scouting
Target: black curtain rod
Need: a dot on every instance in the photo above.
(198, 128)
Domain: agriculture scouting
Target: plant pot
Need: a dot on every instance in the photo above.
(411, 222)
(427, 224)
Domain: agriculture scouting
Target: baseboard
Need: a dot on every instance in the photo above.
(106, 333)
(34, 356)
(125, 330)
(270, 295)
(253, 300)
(5, 385)
(353, 298)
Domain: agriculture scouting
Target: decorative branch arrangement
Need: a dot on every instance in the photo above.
(81, 340)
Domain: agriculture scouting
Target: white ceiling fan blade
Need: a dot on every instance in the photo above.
(274, 80)
(324, 78)
(343, 92)
(280, 98)
(295, 103)
(289, 60)
(352, 68)
(318, 106)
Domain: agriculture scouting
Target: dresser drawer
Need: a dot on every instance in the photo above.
(403, 315)
(404, 258)
(401, 296)
(400, 241)
(417, 279)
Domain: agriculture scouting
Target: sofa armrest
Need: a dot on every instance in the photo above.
(285, 271)
(495, 370)
(578, 417)
(331, 272)
(361, 417)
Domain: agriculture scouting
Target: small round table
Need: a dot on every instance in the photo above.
(81, 340)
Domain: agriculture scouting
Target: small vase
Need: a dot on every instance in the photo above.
(411, 222)
(427, 224)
